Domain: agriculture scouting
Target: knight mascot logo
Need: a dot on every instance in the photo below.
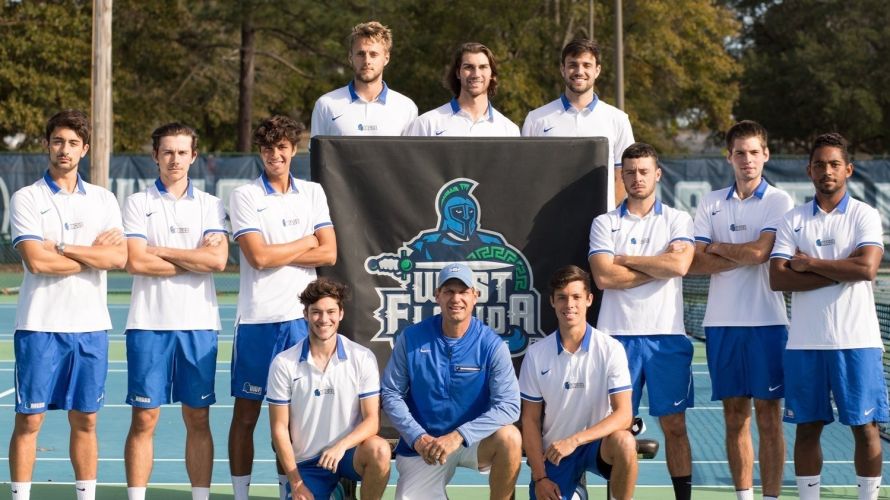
(508, 301)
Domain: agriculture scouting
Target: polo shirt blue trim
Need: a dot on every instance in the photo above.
(304, 352)
(623, 388)
(455, 107)
(278, 402)
(598, 251)
(841, 207)
(870, 243)
(136, 235)
(369, 394)
(780, 256)
(758, 192)
(658, 208)
(703, 239)
(768, 230)
(223, 231)
(530, 398)
(323, 224)
(682, 238)
(567, 105)
(244, 231)
(268, 187)
(622, 209)
(585, 341)
(353, 96)
(341, 352)
(54, 188)
(189, 190)
(24, 237)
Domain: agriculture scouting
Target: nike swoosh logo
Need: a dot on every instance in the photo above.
(868, 411)
(545, 372)
(440, 132)
(771, 388)
(425, 350)
(45, 211)
(678, 403)
(205, 396)
(797, 230)
(101, 398)
(261, 209)
(81, 489)
(298, 378)
(335, 118)
(619, 229)
(548, 129)
(715, 212)
(149, 214)
(810, 485)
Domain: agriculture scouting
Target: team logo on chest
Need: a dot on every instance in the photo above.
(825, 242)
(508, 301)
(72, 226)
(738, 227)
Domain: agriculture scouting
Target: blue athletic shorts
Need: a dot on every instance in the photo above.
(746, 361)
(567, 475)
(322, 482)
(855, 377)
(166, 366)
(255, 347)
(60, 371)
(663, 363)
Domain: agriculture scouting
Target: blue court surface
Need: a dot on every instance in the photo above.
(705, 424)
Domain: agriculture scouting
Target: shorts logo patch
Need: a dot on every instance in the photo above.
(678, 403)
(868, 411)
(36, 406)
(508, 301)
(205, 396)
(789, 413)
(141, 399)
(774, 388)
(252, 389)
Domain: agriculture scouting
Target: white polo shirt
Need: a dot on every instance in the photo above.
(343, 112)
(272, 295)
(185, 301)
(449, 120)
(575, 387)
(653, 308)
(324, 405)
(43, 211)
(840, 316)
(723, 217)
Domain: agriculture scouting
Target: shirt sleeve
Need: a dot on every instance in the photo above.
(529, 388)
(319, 119)
(781, 205)
(623, 139)
(702, 224)
(681, 228)
(601, 240)
(868, 229)
(785, 246)
(214, 215)
(528, 126)
(394, 389)
(26, 223)
(134, 217)
(504, 390)
(243, 213)
(320, 212)
(369, 384)
(112, 212)
(418, 128)
(412, 115)
(618, 372)
(278, 389)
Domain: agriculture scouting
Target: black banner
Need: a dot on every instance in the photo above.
(514, 209)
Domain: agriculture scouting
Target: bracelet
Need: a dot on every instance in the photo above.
(539, 479)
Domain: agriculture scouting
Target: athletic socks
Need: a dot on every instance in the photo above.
(282, 486)
(869, 487)
(135, 492)
(745, 494)
(767, 497)
(682, 487)
(808, 487)
(86, 490)
(199, 493)
(240, 485)
(21, 491)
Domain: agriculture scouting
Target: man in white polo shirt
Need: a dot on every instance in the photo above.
(638, 255)
(473, 80)
(324, 405)
(576, 367)
(827, 253)
(735, 228)
(579, 112)
(68, 233)
(366, 106)
(176, 239)
(284, 231)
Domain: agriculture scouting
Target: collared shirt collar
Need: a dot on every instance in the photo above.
(761, 188)
(189, 190)
(341, 351)
(622, 209)
(54, 188)
(455, 108)
(567, 105)
(268, 187)
(585, 342)
(841, 207)
(353, 96)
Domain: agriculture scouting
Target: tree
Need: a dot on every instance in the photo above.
(813, 66)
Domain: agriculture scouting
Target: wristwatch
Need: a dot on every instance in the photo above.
(60, 248)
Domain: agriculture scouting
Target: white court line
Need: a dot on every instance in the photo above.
(174, 405)
(7, 392)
